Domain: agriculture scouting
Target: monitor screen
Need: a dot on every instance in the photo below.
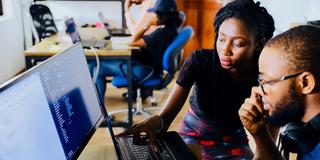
(49, 112)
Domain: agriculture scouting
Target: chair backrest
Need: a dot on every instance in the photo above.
(42, 20)
(172, 56)
(182, 16)
(170, 62)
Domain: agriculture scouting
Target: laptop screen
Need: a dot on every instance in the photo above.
(72, 30)
(50, 111)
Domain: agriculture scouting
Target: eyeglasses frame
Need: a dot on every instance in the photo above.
(276, 80)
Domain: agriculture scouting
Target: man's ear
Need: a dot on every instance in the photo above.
(307, 82)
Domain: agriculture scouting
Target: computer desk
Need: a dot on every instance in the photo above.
(61, 41)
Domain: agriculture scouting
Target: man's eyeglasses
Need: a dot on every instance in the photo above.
(271, 82)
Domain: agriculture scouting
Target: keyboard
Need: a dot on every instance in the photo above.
(145, 152)
(140, 151)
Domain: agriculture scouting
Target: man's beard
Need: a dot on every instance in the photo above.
(289, 109)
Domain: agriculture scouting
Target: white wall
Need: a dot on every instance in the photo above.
(85, 12)
(314, 10)
(284, 12)
(11, 40)
(289, 12)
(14, 34)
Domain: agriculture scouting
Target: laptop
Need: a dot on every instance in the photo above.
(115, 32)
(86, 43)
(52, 110)
(170, 145)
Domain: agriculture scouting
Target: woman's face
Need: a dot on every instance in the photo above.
(235, 45)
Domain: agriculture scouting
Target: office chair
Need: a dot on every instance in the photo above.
(182, 16)
(170, 62)
(42, 20)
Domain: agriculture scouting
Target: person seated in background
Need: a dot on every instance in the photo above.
(289, 86)
(221, 78)
(152, 46)
(135, 24)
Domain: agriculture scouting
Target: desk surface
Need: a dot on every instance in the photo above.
(61, 41)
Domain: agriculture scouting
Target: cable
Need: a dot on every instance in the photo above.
(278, 152)
(96, 71)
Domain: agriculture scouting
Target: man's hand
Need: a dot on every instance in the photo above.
(252, 114)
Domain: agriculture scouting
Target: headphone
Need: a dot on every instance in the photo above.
(299, 137)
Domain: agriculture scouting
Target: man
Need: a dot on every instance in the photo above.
(289, 68)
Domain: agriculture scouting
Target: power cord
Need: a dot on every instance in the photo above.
(278, 149)
(96, 71)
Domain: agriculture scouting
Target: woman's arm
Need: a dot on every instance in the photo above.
(137, 39)
(129, 19)
(132, 24)
(159, 123)
(169, 111)
(174, 104)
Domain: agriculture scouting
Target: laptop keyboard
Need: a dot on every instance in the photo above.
(140, 151)
(144, 151)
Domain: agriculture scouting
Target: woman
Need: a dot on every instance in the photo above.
(152, 45)
(221, 79)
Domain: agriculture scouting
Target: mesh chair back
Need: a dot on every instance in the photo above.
(42, 20)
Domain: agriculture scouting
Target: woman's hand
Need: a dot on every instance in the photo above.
(252, 114)
(127, 5)
(146, 131)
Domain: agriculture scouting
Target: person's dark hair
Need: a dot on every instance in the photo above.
(300, 46)
(256, 18)
(169, 18)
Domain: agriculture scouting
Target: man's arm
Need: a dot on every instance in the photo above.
(265, 145)
(253, 119)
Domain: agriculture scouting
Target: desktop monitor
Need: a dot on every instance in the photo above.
(50, 111)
